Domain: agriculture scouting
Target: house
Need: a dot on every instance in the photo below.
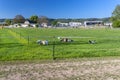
(16, 25)
(33, 25)
(26, 24)
(93, 23)
(44, 25)
(63, 24)
(71, 24)
(3, 24)
(108, 24)
(75, 24)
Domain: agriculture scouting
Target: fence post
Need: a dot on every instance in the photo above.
(53, 54)
(28, 39)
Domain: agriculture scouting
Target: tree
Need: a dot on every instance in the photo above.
(116, 16)
(116, 24)
(42, 19)
(8, 21)
(54, 23)
(19, 19)
(34, 18)
(116, 12)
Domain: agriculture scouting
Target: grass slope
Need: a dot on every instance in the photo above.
(18, 37)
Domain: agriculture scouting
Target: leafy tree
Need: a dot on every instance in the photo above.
(116, 16)
(116, 12)
(34, 18)
(116, 24)
(8, 21)
(19, 19)
(54, 23)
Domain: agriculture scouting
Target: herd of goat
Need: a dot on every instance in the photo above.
(45, 42)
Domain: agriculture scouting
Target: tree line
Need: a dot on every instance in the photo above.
(43, 19)
(33, 19)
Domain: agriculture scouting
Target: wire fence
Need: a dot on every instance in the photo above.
(57, 49)
(19, 43)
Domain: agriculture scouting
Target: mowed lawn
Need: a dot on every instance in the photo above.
(20, 43)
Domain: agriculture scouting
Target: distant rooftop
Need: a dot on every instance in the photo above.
(2, 22)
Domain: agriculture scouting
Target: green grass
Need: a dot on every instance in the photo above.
(20, 43)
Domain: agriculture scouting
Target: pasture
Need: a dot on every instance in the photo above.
(20, 43)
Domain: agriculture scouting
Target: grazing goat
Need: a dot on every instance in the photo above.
(92, 41)
(44, 42)
(66, 40)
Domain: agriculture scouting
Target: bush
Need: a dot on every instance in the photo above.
(116, 24)
(36, 25)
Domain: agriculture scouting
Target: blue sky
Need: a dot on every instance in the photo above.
(58, 8)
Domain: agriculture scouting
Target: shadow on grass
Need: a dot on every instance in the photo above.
(69, 43)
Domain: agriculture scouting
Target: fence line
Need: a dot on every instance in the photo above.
(27, 39)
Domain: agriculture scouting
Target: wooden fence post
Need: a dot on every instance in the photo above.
(53, 54)
(28, 39)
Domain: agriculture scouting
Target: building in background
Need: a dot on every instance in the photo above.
(93, 23)
(75, 24)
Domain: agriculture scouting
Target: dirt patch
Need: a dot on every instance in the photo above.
(107, 69)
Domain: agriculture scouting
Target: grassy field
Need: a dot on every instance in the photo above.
(20, 43)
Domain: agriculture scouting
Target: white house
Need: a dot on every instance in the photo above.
(26, 24)
(75, 24)
(33, 25)
(63, 24)
(44, 25)
(15, 26)
(108, 24)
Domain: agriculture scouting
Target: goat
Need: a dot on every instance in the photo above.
(92, 41)
(44, 42)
